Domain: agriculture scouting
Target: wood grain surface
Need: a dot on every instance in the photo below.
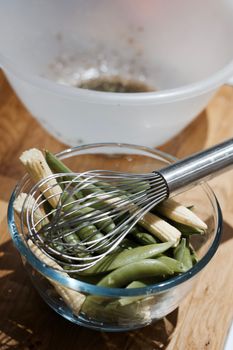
(202, 320)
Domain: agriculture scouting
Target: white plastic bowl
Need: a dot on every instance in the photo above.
(183, 48)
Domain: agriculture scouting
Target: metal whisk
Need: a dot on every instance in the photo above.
(96, 209)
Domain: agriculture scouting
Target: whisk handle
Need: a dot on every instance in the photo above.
(203, 165)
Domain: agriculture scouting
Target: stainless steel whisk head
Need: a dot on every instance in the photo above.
(77, 219)
(94, 212)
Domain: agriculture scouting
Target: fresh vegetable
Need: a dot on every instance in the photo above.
(125, 257)
(155, 249)
(177, 212)
(136, 270)
(182, 254)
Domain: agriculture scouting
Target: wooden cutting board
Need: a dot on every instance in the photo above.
(202, 320)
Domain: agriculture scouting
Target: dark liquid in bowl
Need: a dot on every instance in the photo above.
(115, 84)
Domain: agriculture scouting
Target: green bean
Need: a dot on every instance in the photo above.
(68, 238)
(128, 300)
(125, 257)
(87, 231)
(106, 224)
(143, 238)
(182, 254)
(136, 284)
(90, 233)
(113, 310)
(136, 270)
(57, 166)
(71, 238)
(175, 265)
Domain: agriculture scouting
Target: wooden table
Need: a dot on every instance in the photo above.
(203, 319)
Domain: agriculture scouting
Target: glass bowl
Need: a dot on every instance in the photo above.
(181, 49)
(102, 308)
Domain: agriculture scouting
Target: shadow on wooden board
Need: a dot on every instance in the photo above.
(26, 322)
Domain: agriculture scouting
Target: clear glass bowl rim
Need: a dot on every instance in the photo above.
(114, 292)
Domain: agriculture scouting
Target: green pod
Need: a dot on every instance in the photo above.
(87, 231)
(112, 310)
(125, 257)
(71, 241)
(136, 284)
(71, 238)
(173, 264)
(57, 166)
(90, 233)
(143, 238)
(182, 254)
(106, 224)
(128, 300)
(134, 271)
